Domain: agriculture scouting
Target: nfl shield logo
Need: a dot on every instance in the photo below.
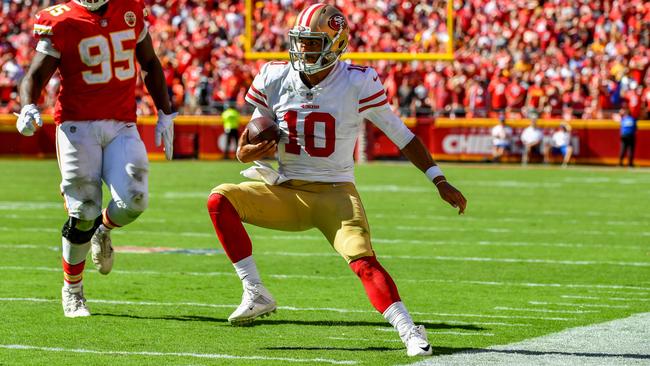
(103, 23)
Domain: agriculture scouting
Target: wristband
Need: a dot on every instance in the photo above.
(433, 172)
(440, 181)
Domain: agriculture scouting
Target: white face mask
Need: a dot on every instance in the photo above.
(91, 5)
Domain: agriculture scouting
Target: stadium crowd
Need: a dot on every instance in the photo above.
(560, 58)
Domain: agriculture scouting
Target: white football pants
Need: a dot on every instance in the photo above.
(92, 151)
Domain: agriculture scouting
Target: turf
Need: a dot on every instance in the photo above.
(539, 250)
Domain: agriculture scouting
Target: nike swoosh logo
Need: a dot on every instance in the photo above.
(375, 78)
(38, 16)
(427, 348)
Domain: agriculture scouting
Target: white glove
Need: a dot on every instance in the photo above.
(25, 123)
(165, 132)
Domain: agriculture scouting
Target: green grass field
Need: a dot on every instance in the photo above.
(539, 250)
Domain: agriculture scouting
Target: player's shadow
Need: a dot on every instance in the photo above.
(350, 323)
(182, 318)
(355, 349)
(318, 323)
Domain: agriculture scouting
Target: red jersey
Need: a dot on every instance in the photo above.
(96, 58)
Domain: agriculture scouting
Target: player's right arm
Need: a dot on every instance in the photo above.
(40, 71)
(43, 66)
(247, 152)
(257, 96)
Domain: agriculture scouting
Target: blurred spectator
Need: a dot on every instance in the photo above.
(560, 145)
(628, 135)
(531, 139)
(501, 139)
(554, 57)
(231, 119)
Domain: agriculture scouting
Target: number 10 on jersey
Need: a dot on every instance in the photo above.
(293, 147)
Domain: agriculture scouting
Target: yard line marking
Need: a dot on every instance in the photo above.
(457, 322)
(505, 308)
(473, 259)
(603, 298)
(579, 305)
(176, 354)
(288, 308)
(528, 231)
(299, 237)
(29, 205)
(619, 293)
(448, 258)
(590, 287)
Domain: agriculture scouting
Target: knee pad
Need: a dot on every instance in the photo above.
(72, 229)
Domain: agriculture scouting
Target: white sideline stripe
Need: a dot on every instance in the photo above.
(505, 308)
(176, 354)
(589, 287)
(457, 322)
(603, 298)
(288, 308)
(579, 305)
(618, 342)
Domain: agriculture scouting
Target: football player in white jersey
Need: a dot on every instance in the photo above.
(319, 104)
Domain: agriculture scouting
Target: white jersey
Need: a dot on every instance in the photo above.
(531, 135)
(320, 125)
(561, 139)
(501, 135)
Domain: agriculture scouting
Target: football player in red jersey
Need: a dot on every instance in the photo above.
(319, 103)
(94, 44)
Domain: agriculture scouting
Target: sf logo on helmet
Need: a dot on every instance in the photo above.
(336, 22)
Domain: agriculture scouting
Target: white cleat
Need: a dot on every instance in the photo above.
(102, 250)
(256, 302)
(74, 302)
(416, 342)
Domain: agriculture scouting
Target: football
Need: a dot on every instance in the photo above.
(262, 129)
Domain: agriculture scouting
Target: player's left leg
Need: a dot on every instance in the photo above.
(79, 156)
(125, 170)
(342, 219)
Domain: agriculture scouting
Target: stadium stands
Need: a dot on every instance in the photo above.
(563, 57)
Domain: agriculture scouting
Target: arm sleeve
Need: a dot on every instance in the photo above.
(49, 35)
(257, 95)
(374, 106)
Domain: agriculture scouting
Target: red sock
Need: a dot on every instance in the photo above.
(379, 286)
(72, 272)
(230, 230)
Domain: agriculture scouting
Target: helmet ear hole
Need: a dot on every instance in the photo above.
(341, 43)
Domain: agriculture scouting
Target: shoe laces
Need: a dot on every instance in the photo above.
(416, 332)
